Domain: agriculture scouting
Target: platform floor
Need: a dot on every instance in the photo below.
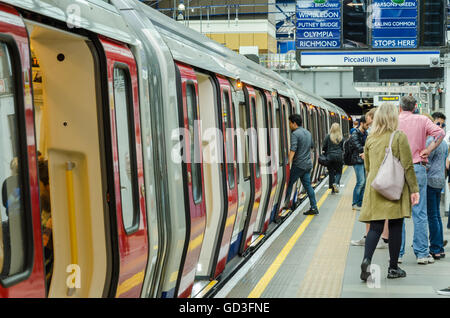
(311, 256)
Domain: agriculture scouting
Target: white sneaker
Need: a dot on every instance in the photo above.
(425, 260)
(357, 208)
(444, 292)
(382, 244)
(360, 242)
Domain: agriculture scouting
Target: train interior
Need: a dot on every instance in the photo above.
(67, 133)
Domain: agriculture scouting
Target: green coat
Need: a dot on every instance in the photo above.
(375, 206)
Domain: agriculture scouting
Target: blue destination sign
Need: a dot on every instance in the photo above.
(394, 24)
(318, 24)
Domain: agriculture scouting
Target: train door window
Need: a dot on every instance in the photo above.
(255, 139)
(191, 99)
(286, 132)
(268, 118)
(13, 234)
(243, 123)
(236, 143)
(125, 145)
(229, 137)
(280, 135)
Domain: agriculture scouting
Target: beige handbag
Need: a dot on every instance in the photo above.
(390, 178)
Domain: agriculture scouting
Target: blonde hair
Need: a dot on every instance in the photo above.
(385, 119)
(428, 116)
(335, 133)
(371, 113)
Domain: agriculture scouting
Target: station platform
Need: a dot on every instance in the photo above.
(311, 257)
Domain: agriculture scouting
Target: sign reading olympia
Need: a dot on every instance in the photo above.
(367, 58)
(318, 24)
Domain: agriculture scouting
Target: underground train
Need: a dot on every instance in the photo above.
(93, 95)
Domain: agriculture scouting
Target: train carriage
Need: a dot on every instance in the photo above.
(144, 157)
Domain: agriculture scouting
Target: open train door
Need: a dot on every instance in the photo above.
(255, 170)
(21, 250)
(194, 188)
(128, 195)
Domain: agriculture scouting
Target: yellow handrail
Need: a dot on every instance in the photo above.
(72, 220)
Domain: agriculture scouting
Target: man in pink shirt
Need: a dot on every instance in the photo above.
(417, 128)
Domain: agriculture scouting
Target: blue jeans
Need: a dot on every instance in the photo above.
(358, 192)
(420, 217)
(305, 178)
(434, 220)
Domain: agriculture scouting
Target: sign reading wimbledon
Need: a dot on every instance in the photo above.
(318, 24)
(394, 24)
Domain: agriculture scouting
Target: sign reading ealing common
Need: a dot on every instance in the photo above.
(318, 24)
(394, 24)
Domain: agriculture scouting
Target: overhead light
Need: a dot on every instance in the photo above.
(181, 6)
(239, 83)
(351, 4)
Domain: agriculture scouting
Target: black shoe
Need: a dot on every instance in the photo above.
(445, 243)
(396, 273)
(436, 257)
(311, 211)
(364, 273)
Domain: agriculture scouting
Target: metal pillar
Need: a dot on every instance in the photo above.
(445, 101)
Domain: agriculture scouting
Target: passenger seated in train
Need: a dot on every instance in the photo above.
(46, 217)
(11, 187)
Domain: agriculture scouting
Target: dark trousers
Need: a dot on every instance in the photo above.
(395, 239)
(305, 178)
(434, 220)
(335, 170)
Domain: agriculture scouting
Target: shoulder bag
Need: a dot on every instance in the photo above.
(390, 177)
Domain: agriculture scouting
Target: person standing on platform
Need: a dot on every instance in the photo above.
(417, 128)
(383, 243)
(376, 208)
(355, 126)
(333, 148)
(358, 140)
(300, 162)
(435, 184)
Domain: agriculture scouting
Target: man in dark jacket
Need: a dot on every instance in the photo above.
(358, 140)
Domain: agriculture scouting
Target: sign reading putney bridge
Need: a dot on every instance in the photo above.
(318, 24)
(394, 24)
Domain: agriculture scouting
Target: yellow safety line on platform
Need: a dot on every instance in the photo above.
(273, 269)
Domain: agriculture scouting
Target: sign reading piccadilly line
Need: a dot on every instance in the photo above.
(318, 24)
(394, 24)
(367, 58)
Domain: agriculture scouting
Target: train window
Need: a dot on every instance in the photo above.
(236, 143)
(280, 136)
(125, 142)
(243, 121)
(229, 138)
(255, 142)
(13, 234)
(285, 132)
(191, 98)
(269, 124)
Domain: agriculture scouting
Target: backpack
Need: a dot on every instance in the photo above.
(348, 152)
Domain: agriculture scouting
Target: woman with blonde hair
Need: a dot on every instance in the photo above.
(376, 208)
(333, 148)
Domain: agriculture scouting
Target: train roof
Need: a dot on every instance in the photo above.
(196, 49)
(186, 45)
(94, 15)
